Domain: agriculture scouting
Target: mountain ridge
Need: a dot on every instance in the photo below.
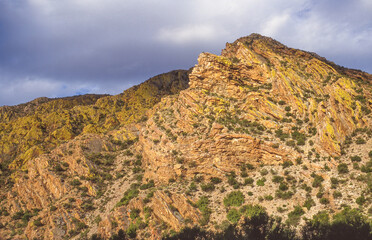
(356, 73)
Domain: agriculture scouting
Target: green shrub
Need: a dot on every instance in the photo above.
(268, 197)
(248, 181)
(317, 182)
(283, 187)
(147, 212)
(249, 166)
(137, 170)
(264, 172)
(291, 143)
(324, 201)
(320, 193)
(209, 187)
(290, 178)
(38, 222)
(233, 215)
(261, 182)
(281, 210)
(193, 187)
(312, 131)
(299, 137)
(309, 203)
(203, 205)
(326, 168)
(361, 200)
(366, 168)
(18, 215)
(356, 158)
(280, 134)
(334, 180)
(322, 217)
(306, 188)
(318, 227)
(235, 198)
(253, 211)
(284, 194)
(337, 194)
(342, 168)
(131, 230)
(215, 180)
(244, 174)
(295, 216)
(287, 164)
(232, 180)
(128, 195)
(277, 179)
(148, 185)
(134, 213)
(360, 141)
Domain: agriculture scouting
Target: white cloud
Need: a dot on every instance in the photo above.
(367, 4)
(274, 25)
(119, 43)
(45, 6)
(187, 34)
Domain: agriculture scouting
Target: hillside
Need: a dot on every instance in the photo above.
(260, 129)
(41, 125)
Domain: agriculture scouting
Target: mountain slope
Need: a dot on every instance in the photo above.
(39, 156)
(261, 124)
(31, 129)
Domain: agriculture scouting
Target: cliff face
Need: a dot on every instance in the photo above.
(236, 102)
(262, 119)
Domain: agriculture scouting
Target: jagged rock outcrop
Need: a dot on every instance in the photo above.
(256, 86)
(171, 209)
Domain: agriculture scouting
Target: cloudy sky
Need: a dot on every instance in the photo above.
(57, 48)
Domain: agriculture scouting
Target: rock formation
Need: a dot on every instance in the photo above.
(260, 122)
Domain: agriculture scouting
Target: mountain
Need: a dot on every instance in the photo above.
(262, 132)
(41, 125)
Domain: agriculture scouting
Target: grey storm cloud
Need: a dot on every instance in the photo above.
(57, 48)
